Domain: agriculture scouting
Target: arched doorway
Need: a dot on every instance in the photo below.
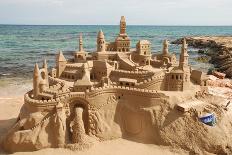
(75, 104)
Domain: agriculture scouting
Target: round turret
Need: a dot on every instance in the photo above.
(101, 47)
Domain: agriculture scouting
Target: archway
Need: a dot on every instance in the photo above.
(74, 104)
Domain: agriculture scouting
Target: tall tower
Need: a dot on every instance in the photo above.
(183, 62)
(165, 47)
(80, 43)
(36, 80)
(101, 46)
(122, 41)
(123, 25)
(60, 64)
(45, 67)
(183, 65)
(80, 56)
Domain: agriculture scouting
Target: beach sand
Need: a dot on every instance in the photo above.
(10, 107)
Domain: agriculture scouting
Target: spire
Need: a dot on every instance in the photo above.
(123, 19)
(100, 35)
(80, 43)
(60, 57)
(183, 61)
(36, 71)
(101, 47)
(60, 64)
(184, 47)
(36, 81)
(45, 66)
(123, 25)
(165, 47)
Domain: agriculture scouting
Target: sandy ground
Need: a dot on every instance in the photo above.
(9, 109)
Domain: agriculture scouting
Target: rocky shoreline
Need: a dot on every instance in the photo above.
(219, 49)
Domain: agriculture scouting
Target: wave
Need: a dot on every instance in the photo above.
(5, 74)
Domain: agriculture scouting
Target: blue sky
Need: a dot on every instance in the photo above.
(97, 12)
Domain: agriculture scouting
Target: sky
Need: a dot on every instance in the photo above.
(108, 12)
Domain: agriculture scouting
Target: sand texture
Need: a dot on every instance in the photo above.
(181, 133)
(10, 107)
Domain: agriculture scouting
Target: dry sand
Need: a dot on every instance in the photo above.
(9, 109)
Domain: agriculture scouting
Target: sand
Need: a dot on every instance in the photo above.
(10, 107)
(195, 135)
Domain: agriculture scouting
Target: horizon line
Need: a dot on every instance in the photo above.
(112, 25)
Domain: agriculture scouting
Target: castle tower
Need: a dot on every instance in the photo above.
(165, 47)
(80, 56)
(80, 43)
(122, 42)
(123, 25)
(183, 65)
(101, 46)
(45, 67)
(183, 62)
(60, 64)
(143, 50)
(36, 81)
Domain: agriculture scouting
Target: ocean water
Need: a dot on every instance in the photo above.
(21, 46)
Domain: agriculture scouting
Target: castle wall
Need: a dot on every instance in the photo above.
(111, 46)
(118, 112)
(156, 82)
(110, 109)
(138, 75)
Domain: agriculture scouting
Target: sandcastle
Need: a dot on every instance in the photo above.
(101, 95)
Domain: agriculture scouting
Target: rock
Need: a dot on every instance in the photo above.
(203, 59)
(201, 51)
(220, 83)
(220, 50)
(219, 75)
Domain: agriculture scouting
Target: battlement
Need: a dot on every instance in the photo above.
(126, 90)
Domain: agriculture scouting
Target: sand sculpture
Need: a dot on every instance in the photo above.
(113, 92)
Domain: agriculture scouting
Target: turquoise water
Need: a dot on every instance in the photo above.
(21, 45)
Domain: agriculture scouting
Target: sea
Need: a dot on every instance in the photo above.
(21, 46)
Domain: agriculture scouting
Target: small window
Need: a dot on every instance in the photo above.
(177, 77)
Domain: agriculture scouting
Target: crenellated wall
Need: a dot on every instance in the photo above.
(138, 75)
(156, 82)
(108, 114)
